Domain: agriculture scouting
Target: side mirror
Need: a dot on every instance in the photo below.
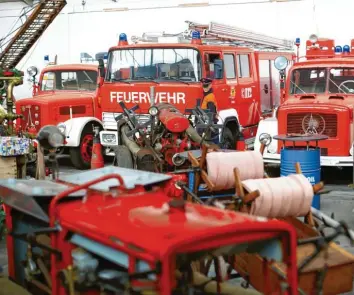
(218, 69)
(101, 68)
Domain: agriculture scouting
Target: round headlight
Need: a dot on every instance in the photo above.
(62, 128)
(32, 71)
(153, 111)
(265, 139)
(280, 63)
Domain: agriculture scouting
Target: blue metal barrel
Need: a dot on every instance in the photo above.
(310, 162)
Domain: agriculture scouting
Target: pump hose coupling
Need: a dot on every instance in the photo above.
(177, 160)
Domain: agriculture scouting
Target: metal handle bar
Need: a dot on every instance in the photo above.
(86, 185)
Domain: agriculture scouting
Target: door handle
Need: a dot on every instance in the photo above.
(224, 89)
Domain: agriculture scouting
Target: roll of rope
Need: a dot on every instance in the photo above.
(289, 196)
(220, 167)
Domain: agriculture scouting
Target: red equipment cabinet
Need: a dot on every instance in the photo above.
(134, 231)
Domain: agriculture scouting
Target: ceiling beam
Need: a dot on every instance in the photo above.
(28, 2)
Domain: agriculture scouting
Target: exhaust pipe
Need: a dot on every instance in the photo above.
(131, 145)
(144, 157)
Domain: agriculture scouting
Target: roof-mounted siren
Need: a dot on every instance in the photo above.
(338, 50)
(196, 39)
(346, 49)
(123, 39)
(102, 55)
(313, 39)
(297, 43)
(46, 60)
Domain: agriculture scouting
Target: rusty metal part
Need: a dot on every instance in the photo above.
(145, 160)
(130, 144)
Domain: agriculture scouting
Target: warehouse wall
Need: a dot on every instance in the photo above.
(94, 27)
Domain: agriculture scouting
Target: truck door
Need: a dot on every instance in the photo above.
(246, 93)
(229, 88)
(218, 84)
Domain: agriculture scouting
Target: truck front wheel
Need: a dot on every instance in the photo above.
(228, 140)
(81, 156)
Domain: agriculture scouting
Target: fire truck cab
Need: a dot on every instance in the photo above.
(318, 98)
(64, 92)
(244, 80)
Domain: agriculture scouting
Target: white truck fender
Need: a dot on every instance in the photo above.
(223, 115)
(73, 128)
(269, 126)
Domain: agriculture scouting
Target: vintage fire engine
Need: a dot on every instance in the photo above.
(64, 92)
(318, 98)
(115, 230)
(243, 79)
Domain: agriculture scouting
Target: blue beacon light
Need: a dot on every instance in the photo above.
(123, 39)
(338, 49)
(195, 35)
(297, 41)
(196, 38)
(346, 49)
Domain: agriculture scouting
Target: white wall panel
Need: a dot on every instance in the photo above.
(96, 26)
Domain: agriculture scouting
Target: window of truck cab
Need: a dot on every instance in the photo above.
(76, 80)
(161, 64)
(244, 67)
(322, 80)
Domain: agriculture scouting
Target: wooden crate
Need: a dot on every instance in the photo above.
(339, 277)
(8, 167)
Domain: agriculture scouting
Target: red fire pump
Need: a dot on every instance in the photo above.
(153, 143)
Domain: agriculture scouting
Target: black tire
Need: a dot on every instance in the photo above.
(80, 160)
(123, 157)
(228, 140)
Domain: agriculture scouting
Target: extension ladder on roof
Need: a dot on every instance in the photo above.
(223, 34)
(29, 32)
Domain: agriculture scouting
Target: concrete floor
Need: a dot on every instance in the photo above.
(339, 201)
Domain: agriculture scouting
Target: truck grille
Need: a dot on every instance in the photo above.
(109, 123)
(302, 123)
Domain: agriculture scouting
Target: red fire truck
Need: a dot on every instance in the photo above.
(244, 80)
(318, 99)
(64, 92)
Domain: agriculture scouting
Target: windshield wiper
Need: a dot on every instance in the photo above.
(297, 87)
(339, 89)
(147, 78)
(119, 80)
(175, 79)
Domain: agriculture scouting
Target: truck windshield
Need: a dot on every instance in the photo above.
(69, 80)
(163, 64)
(310, 80)
(321, 80)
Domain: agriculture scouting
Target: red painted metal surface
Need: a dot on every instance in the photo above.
(146, 226)
(50, 103)
(332, 111)
(170, 230)
(173, 121)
